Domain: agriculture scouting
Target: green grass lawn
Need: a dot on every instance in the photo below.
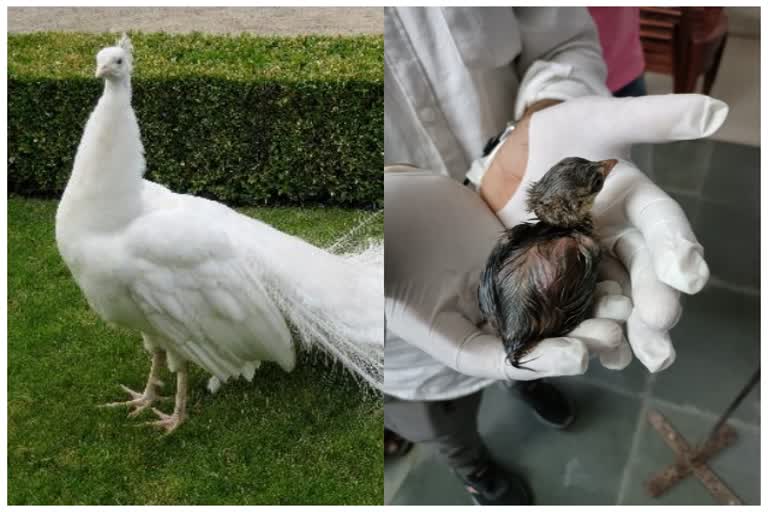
(308, 437)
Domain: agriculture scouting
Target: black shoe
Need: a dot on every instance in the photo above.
(550, 405)
(493, 485)
(394, 445)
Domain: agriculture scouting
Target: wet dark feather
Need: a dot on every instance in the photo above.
(539, 283)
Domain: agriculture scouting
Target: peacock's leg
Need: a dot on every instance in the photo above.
(170, 422)
(140, 401)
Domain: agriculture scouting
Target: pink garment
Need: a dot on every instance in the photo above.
(619, 30)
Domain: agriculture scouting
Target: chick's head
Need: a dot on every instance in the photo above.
(565, 194)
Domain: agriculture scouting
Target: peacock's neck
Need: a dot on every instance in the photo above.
(109, 164)
(118, 89)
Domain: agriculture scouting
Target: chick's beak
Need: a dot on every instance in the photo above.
(606, 166)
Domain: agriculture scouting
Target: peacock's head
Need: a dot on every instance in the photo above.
(115, 62)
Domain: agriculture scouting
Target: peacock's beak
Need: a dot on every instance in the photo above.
(606, 166)
(102, 71)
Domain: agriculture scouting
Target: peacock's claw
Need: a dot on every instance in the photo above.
(167, 422)
(139, 401)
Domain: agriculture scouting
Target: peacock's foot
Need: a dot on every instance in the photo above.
(170, 422)
(167, 422)
(139, 401)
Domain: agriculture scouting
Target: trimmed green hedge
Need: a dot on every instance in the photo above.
(245, 120)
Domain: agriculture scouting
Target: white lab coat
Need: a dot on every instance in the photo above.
(454, 76)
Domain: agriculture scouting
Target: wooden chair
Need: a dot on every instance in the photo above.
(684, 42)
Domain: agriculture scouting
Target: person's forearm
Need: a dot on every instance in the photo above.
(506, 171)
(539, 105)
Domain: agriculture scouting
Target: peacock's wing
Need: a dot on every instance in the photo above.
(203, 295)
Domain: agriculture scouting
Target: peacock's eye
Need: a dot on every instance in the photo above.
(119, 61)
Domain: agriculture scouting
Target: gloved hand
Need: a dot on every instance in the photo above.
(657, 254)
(438, 237)
(552, 357)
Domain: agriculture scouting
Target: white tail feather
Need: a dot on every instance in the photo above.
(346, 320)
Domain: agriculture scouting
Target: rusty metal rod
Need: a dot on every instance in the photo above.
(736, 402)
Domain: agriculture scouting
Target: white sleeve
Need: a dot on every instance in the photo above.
(438, 235)
(451, 339)
(558, 68)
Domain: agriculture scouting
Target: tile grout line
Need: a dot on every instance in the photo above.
(693, 410)
(402, 468)
(710, 148)
(635, 446)
(397, 482)
(612, 389)
(716, 282)
(418, 454)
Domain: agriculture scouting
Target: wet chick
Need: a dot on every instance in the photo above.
(540, 278)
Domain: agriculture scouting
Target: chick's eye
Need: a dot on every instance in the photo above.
(119, 61)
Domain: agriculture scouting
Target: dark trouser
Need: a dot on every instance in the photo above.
(448, 425)
(634, 88)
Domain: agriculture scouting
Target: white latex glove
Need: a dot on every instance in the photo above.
(438, 236)
(657, 253)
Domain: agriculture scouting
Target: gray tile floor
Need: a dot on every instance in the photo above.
(610, 450)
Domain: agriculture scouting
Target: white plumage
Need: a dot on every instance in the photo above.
(203, 283)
